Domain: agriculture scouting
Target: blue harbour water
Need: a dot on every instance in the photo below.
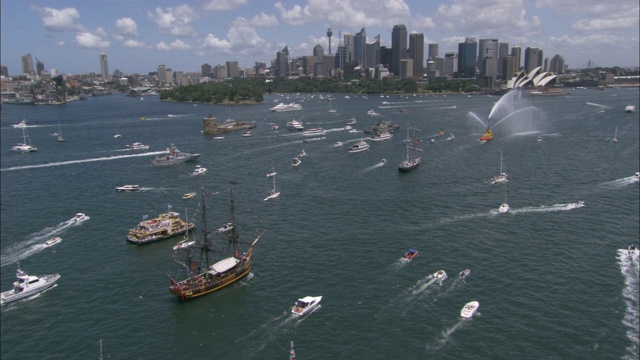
(553, 278)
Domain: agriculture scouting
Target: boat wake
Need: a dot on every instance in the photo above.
(445, 336)
(619, 183)
(71, 162)
(546, 208)
(599, 105)
(631, 321)
(367, 169)
(422, 287)
(33, 244)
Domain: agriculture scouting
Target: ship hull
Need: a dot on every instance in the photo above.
(198, 286)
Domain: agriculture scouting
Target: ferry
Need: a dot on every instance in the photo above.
(162, 227)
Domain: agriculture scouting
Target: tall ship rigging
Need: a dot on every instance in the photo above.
(203, 275)
(411, 161)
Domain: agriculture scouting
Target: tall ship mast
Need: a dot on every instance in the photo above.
(203, 275)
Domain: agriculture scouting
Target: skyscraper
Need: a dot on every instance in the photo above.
(416, 52)
(232, 69)
(39, 67)
(450, 63)
(27, 64)
(516, 52)
(557, 64)
(398, 47)
(373, 52)
(488, 48)
(467, 52)
(503, 52)
(162, 74)
(532, 59)
(349, 48)
(282, 62)
(360, 48)
(433, 51)
(104, 67)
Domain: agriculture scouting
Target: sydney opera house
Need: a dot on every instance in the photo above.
(535, 82)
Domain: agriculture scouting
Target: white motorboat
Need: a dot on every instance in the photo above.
(314, 132)
(440, 275)
(451, 137)
(539, 138)
(351, 121)
(338, 144)
(295, 125)
(183, 244)
(226, 227)
(359, 147)
(382, 162)
(464, 273)
(502, 178)
(274, 127)
(281, 107)
(633, 250)
(305, 305)
(21, 125)
(128, 188)
(273, 194)
(199, 170)
(637, 175)
(53, 241)
(26, 145)
(190, 195)
(80, 217)
(28, 285)
(302, 153)
(247, 133)
(381, 136)
(137, 146)
(372, 113)
(469, 309)
(504, 207)
(630, 108)
(296, 162)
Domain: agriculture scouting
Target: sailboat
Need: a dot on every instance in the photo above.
(615, 136)
(502, 178)
(25, 146)
(504, 207)
(273, 193)
(59, 136)
(117, 135)
(331, 108)
(411, 161)
(273, 171)
(203, 276)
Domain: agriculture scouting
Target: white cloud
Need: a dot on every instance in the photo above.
(590, 41)
(136, 44)
(175, 21)
(59, 20)
(101, 32)
(222, 5)
(91, 41)
(127, 26)
(219, 44)
(175, 45)
(61, 43)
(296, 16)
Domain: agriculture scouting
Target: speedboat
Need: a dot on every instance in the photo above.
(630, 108)
(189, 195)
(183, 244)
(338, 144)
(451, 137)
(469, 309)
(637, 175)
(274, 127)
(314, 132)
(302, 153)
(358, 147)
(633, 250)
(295, 162)
(488, 135)
(372, 113)
(294, 125)
(53, 241)
(464, 273)
(80, 217)
(218, 138)
(504, 207)
(199, 170)
(382, 162)
(226, 227)
(440, 275)
(21, 125)
(409, 255)
(351, 121)
(305, 305)
(381, 136)
(137, 146)
(539, 138)
(28, 285)
(246, 133)
(128, 188)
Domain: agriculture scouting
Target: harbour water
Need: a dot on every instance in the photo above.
(552, 277)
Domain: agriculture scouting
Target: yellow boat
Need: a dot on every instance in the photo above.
(488, 135)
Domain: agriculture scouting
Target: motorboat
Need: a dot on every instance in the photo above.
(637, 175)
(218, 138)
(633, 250)
(226, 227)
(25, 146)
(296, 162)
(282, 107)
(464, 273)
(80, 217)
(359, 147)
(190, 195)
(302, 153)
(488, 135)
(353, 131)
(630, 108)
(53, 241)
(21, 125)
(274, 127)
(128, 188)
(28, 285)
(351, 121)
(247, 133)
(117, 136)
(381, 136)
(305, 305)
(137, 146)
(174, 156)
(183, 244)
(372, 113)
(382, 162)
(199, 170)
(314, 132)
(338, 144)
(409, 255)
(469, 309)
(539, 138)
(440, 275)
(295, 125)
(450, 137)
(504, 207)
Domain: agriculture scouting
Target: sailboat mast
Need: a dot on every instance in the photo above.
(234, 232)
(205, 237)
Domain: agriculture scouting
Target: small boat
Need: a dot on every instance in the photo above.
(338, 144)
(183, 244)
(28, 285)
(190, 195)
(353, 131)
(630, 108)
(128, 188)
(488, 135)
(539, 138)
(226, 227)
(502, 178)
(302, 153)
(218, 138)
(294, 125)
(450, 137)
(359, 147)
(504, 207)
(409, 255)
(637, 175)
(296, 162)
(351, 121)
(382, 162)
(305, 305)
(314, 132)
(633, 250)
(464, 273)
(53, 241)
(137, 146)
(26, 145)
(440, 275)
(292, 352)
(273, 194)
(80, 217)
(247, 133)
(381, 136)
(273, 172)
(21, 125)
(615, 136)
(274, 127)
(372, 113)
(469, 309)
(199, 170)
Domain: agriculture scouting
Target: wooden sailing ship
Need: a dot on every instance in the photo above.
(203, 274)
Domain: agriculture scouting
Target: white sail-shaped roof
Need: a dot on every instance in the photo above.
(533, 72)
(538, 77)
(546, 80)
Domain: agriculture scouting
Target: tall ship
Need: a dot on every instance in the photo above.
(411, 161)
(201, 275)
(174, 156)
(162, 227)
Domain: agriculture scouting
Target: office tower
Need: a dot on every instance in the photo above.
(349, 47)
(282, 61)
(532, 59)
(329, 35)
(557, 64)
(373, 52)
(4, 71)
(503, 52)
(467, 52)
(169, 76)
(205, 69)
(220, 71)
(39, 67)
(488, 48)
(27, 64)
(360, 48)
(406, 68)
(516, 52)
(104, 67)
(416, 52)
(385, 56)
(232, 69)
(162, 74)
(507, 67)
(327, 64)
(54, 72)
(450, 63)
(398, 47)
(433, 51)
(341, 56)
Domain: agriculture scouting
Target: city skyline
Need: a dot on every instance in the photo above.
(137, 36)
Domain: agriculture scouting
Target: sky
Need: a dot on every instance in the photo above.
(139, 35)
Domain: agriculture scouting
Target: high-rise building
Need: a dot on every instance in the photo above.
(360, 48)
(406, 68)
(450, 63)
(433, 51)
(349, 48)
(488, 48)
(557, 64)
(467, 52)
(532, 59)
(220, 71)
(373, 52)
(232, 69)
(516, 52)
(169, 76)
(503, 52)
(104, 67)
(39, 67)
(416, 52)
(27, 64)
(385, 57)
(508, 67)
(4, 71)
(282, 62)
(205, 70)
(398, 47)
(162, 74)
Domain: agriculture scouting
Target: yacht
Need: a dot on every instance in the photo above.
(469, 309)
(80, 217)
(451, 137)
(630, 108)
(338, 144)
(281, 107)
(305, 305)
(359, 147)
(128, 188)
(21, 125)
(295, 125)
(137, 146)
(302, 153)
(351, 121)
(226, 227)
(381, 136)
(28, 285)
(296, 162)
(190, 195)
(25, 146)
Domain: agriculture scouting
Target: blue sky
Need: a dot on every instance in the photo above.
(138, 35)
